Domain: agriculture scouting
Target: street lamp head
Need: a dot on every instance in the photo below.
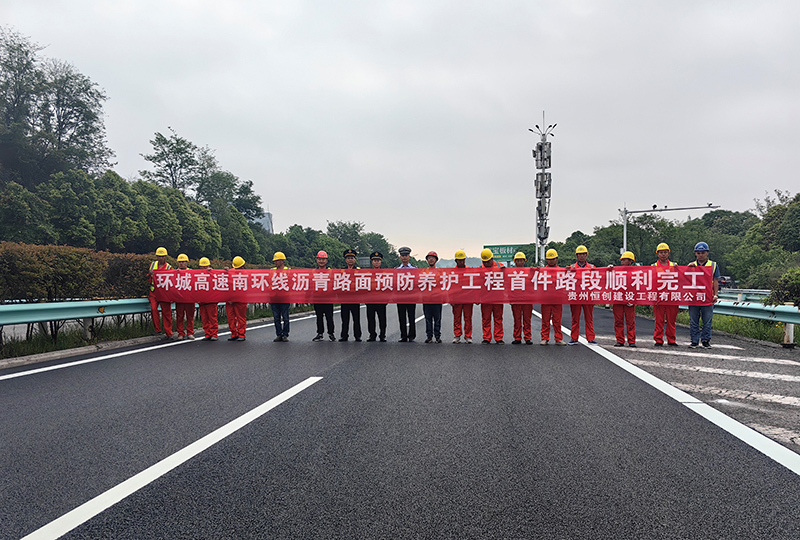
(655, 206)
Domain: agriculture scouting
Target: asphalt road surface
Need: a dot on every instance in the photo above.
(391, 440)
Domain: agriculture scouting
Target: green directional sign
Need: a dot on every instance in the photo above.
(504, 252)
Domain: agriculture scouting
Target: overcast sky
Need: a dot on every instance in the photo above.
(413, 116)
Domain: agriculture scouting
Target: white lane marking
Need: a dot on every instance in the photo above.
(763, 444)
(125, 353)
(739, 394)
(91, 508)
(419, 318)
(782, 434)
(684, 343)
(721, 357)
(718, 371)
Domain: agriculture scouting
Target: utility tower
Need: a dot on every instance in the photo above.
(542, 184)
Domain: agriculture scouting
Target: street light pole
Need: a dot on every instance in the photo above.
(625, 213)
(542, 184)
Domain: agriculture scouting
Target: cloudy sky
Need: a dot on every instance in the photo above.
(413, 116)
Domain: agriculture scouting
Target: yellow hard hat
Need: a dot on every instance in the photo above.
(161, 252)
(279, 256)
(460, 254)
(661, 247)
(520, 255)
(486, 255)
(204, 261)
(183, 258)
(238, 262)
(551, 254)
(628, 255)
(581, 249)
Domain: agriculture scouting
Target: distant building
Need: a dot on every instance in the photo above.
(266, 221)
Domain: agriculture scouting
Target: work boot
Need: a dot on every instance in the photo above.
(317, 338)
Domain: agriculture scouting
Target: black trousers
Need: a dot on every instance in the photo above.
(433, 319)
(407, 313)
(324, 314)
(347, 311)
(380, 311)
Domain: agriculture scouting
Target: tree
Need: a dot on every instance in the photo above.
(24, 217)
(176, 162)
(163, 227)
(237, 238)
(225, 186)
(349, 233)
(72, 197)
(201, 235)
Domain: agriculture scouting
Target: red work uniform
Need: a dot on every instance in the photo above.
(588, 313)
(462, 311)
(184, 312)
(208, 314)
(237, 318)
(166, 307)
(625, 322)
(522, 321)
(492, 310)
(551, 312)
(662, 312)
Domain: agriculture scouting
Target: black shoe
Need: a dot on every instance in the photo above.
(516, 342)
(631, 344)
(285, 338)
(358, 340)
(485, 341)
(402, 340)
(429, 340)
(657, 344)
(370, 339)
(672, 344)
(706, 344)
(234, 339)
(318, 338)
(383, 340)
(411, 340)
(331, 337)
(500, 342)
(528, 342)
(243, 339)
(343, 339)
(438, 340)
(278, 339)
(618, 344)
(692, 345)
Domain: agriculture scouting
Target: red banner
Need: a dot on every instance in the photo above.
(680, 285)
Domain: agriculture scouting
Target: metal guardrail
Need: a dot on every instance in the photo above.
(744, 295)
(751, 310)
(60, 311)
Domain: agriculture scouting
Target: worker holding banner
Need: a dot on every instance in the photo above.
(491, 310)
(522, 312)
(406, 312)
(166, 307)
(663, 312)
(551, 313)
(350, 310)
(208, 310)
(324, 312)
(625, 314)
(237, 311)
(582, 254)
(376, 310)
(462, 310)
(184, 311)
(280, 310)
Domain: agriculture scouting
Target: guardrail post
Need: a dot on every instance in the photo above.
(87, 329)
(788, 332)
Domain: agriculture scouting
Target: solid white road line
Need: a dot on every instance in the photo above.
(717, 371)
(739, 394)
(720, 356)
(125, 353)
(683, 344)
(765, 445)
(782, 434)
(91, 508)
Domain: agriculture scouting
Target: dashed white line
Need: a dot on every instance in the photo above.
(712, 356)
(739, 394)
(91, 508)
(718, 371)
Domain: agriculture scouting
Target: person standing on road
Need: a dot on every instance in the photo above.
(660, 311)
(184, 311)
(582, 254)
(280, 311)
(625, 314)
(432, 312)
(208, 311)
(460, 310)
(350, 310)
(407, 313)
(324, 312)
(376, 310)
(552, 312)
(706, 310)
(237, 311)
(166, 307)
(491, 310)
(522, 312)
